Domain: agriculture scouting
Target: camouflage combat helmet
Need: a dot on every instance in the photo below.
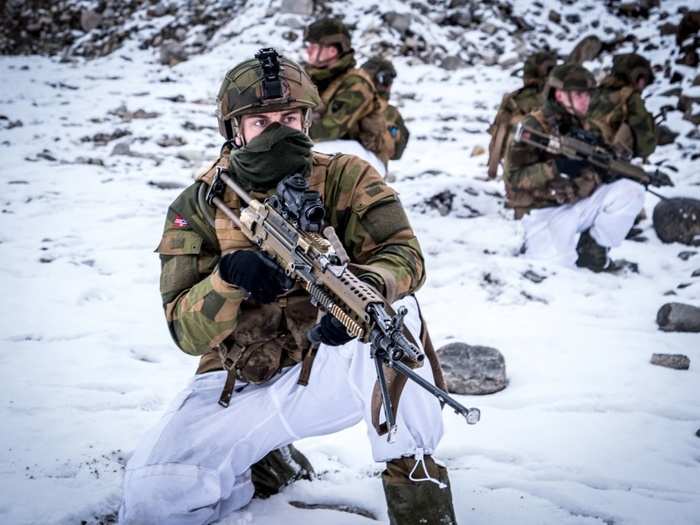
(571, 77)
(538, 66)
(329, 32)
(631, 66)
(268, 82)
(382, 72)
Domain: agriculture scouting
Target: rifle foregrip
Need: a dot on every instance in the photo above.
(321, 297)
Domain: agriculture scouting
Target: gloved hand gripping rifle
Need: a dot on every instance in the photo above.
(287, 227)
(598, 156)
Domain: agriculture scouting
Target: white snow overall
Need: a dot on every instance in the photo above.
(551, 234)
(194, 467)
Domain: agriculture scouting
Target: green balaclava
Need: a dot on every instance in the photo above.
(264, 161)
(323, 75)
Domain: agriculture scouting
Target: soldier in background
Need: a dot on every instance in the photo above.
(570, 216)
(618, 110)
(383, 74)
(236, 310)
(519, 103)
(350, 107)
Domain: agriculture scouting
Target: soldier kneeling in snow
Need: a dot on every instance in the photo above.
(234, 308)
(349, 117)
(569, 215)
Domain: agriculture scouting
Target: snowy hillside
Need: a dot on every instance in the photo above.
(94, 150)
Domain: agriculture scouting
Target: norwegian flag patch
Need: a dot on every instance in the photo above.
(180, 222)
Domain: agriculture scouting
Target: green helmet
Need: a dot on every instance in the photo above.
(382, 72)
(631, 66)
(329, 32)
(571, 77)
(537, 67)
(265, 83)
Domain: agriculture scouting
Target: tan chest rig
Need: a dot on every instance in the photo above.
(267, 337)
(270, 337)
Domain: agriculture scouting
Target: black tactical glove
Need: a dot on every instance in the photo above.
(329, 331)
(256, 273)
(572, 167)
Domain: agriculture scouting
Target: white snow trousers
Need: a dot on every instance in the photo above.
(351, 147)
(194, 466)
(551, 234)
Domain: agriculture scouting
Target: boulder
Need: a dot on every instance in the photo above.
(667, 28)
(452, 63)
(172, 53)
(664, 135)
(477, 150)
(442, 202)
(472, 369)
(678, 317)
(399, 21)
(298, 7)
(678, 220)
(587, 49)
(89, 20)
(676, 361)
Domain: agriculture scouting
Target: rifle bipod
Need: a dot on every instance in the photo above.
(383, 358)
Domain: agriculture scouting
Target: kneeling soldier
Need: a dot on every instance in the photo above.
(570, 216)
(231, 305)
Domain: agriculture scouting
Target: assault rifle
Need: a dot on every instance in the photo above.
(287, 226)
(582, 146)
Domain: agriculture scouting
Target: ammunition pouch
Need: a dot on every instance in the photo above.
(267, 338)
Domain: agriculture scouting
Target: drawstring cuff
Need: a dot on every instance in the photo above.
(420, 460)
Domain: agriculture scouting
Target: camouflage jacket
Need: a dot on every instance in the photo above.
(397, 132)
(514, 107)
(351, 110)
(206, 315)
(618, 110)
(530, 175)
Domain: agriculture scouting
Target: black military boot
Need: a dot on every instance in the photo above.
(592, 255)
(278, 469)
(424, 502)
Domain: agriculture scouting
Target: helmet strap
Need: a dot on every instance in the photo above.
(307, 121)
(238, 140)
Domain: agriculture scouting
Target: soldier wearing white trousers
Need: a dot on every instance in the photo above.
(552, 234)
(194, 466)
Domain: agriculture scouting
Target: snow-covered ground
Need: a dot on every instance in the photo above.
(587, 432)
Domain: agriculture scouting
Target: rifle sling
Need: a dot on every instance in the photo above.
(229, 359)
(396, 381)
(496, 152)
(306, 364)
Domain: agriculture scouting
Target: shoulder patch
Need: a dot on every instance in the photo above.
(180, 222)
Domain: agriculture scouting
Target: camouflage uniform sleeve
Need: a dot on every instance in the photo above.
(373, 226)
(352, 102)
(200, 308)
(527, 168)
(642, 125)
